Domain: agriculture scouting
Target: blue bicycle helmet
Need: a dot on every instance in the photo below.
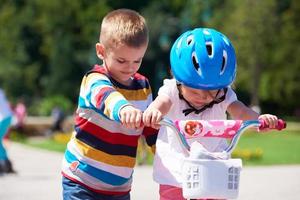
(204, 59)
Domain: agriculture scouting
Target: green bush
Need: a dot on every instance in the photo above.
(45, 106)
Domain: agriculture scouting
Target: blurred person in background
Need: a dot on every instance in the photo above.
(6, 115)
(58, 117)
(20, 113)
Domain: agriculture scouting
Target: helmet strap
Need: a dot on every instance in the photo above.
(198, 111)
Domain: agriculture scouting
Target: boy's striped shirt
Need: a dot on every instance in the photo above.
(101, 153)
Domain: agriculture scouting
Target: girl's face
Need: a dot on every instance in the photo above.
(122, 62)
(197, 97)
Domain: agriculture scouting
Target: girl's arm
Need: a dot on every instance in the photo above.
(238, 110)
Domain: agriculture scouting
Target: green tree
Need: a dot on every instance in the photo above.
(19, 63)
(251, 26)
(46, 46)
(68, 42)
(171, 19)
(43, 53)
(282, 85)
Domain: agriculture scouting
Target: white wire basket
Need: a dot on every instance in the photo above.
(212, 175)
(217, 179)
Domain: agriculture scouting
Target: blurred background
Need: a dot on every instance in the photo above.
(47, 46)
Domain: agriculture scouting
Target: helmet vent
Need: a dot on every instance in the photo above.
(196, 63)
(209, 48)
(179, 43)
(224, 62)
(190, 39)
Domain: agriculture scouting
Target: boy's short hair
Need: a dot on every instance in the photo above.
(123, 27)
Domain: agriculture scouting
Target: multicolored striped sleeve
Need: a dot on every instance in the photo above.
(150, 136)
(101, 96)
(150, 133)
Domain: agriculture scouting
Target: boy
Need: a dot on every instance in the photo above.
(100, 156)
(203, 63)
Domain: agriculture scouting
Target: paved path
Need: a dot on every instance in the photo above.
(38, 178)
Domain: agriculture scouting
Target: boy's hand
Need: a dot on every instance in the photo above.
(131, 117)
(151, 117)
(271, 120)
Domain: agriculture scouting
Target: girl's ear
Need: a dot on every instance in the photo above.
(100, 50)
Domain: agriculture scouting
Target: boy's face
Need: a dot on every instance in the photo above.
(121, 62)
(197, 97)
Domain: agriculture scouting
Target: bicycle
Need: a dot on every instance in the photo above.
(207, 174)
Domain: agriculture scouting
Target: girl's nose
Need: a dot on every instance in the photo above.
(206, 97)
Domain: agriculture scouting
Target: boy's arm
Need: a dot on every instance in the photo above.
(238, 110)
(108, 101)
(131, 117)
(156, 110)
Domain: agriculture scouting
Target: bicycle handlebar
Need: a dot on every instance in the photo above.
(280, 125)
(260, 124)
(184, 144)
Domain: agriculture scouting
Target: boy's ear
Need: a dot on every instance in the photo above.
(100, 50)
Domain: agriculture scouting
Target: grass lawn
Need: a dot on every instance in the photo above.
(39, 142)
(48, 144)
(254, 148)
(277, 147)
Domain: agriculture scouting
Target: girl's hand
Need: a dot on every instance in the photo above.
(271, 120)
(151, 117)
